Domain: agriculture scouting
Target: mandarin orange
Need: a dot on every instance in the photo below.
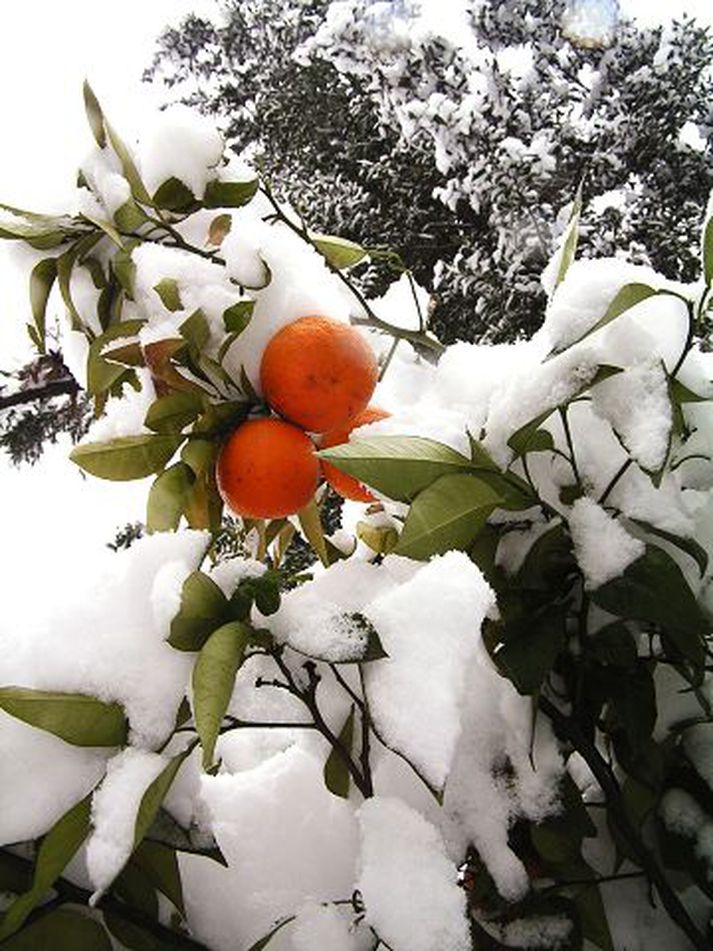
(267, 469)
(318, 373)
(347, 486)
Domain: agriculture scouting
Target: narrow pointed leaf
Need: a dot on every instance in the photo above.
(74, 717)
(397, 466)
(336, 774)
(42, 278)
(160, 864)
(311, 525)
(708, 252)
(688, 545)
(128, 166)
(213, 682)
(156, 793)
(447, 515)
(569, 245)
(95, 117)
(56, 850)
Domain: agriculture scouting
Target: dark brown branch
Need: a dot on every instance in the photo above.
(67, 386)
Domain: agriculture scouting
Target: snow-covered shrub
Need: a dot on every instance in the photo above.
(480, 720)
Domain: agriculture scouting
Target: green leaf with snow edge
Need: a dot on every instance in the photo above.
(688, 545)
(447, 515)
(74, 717)
(156, 793)
(172, 413)
(708, 252)
(627, 297)
(174, 195)
(127, 457)
(398, 467)
(101, 373)
(58, 847)
(237, 317)
(214, 680)
(167, 290)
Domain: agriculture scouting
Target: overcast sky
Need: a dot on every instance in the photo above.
(49, 47)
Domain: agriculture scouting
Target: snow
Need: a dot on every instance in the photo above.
(287, 840)
(124, 416)
(637, 406)
(115, 806)
(102, 170)
(408, 884)
(682, 814)
(326, 926)
(180, 144)
(603, 547)
(125, 641)
(429, 627)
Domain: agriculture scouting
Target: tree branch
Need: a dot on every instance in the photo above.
(66, 386)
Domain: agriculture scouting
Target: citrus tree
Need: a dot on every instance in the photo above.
(480, 716)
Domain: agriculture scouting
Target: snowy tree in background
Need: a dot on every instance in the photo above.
(490, 108)
(479, 716)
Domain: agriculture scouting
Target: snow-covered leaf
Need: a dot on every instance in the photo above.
(213, 681)
(74, 717)
(447, 515)
(174, 195)
(127, 457)
(237, 317)
(397, 466)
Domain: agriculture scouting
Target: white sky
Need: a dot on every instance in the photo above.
(49, 513)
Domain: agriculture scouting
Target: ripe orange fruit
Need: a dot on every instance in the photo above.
(318, 373)
(347, 486)
(267, 469)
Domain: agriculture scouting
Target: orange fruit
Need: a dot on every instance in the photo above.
(347, 486)
(318, 373)
(267, 469)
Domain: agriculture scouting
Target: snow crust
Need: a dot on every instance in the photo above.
(603, 547)
(407, 882)
(114, 809)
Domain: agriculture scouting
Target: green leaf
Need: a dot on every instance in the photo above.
(229, 194)
(129, 216)
(549, 563)
(219, 227)
(237, 317)
(39, 231)
(156, 793)
(204, 608)
(132, 937)
(447, 515)
(267, 592)
(74, 717)
(613, 646)
(336, 773)
(61, 929)
(195, 331)
(56, 850)
(479, 455)
(571, 237)
(311, 525)
(127, 457)
(529, 646)
(397, 466)
(65, 265)
(124, 268)
(167, 290)
(174, 195)
(172, 413)
(160, 864)
(213, 682)
(382, 539)
(41, 280)
(339, 252)
(687, 545)
(708, 253)
(168, 497)
(95, 116)
(653, 589)
(108, 228)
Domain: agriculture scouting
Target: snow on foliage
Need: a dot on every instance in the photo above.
(394, 713)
